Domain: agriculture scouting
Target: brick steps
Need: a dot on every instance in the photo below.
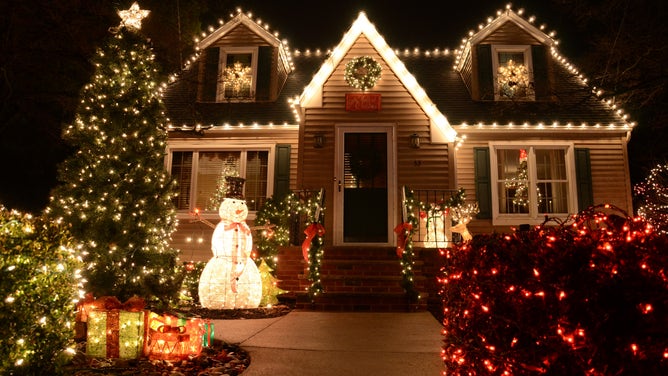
(353, 279)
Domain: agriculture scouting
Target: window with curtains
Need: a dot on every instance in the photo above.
(200, 174)
(513, 73)
(531, 181)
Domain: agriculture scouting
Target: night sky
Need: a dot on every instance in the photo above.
(46, 45)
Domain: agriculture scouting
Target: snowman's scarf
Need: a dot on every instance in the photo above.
(242, 231)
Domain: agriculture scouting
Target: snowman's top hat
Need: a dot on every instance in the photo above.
(235, 187)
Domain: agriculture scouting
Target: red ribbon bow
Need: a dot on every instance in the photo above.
(238, 226)
(401, 237)
(311, 231)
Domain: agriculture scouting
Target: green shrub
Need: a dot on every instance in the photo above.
(39, 283)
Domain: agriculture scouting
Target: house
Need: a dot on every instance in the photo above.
(505, 116)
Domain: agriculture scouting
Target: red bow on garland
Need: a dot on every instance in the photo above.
(401, 230)
(311, 231)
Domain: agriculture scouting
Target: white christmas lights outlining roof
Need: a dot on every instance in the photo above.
(526, 23)
(441, 131)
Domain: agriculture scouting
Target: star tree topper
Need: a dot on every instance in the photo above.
(132, 17)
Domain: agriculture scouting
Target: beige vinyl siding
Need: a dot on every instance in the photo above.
(240, 36)
(426, 167)
(509, 33)
(610, 174)
(611, 179)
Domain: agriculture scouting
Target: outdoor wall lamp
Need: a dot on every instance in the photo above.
(414, 141)
(318, 140)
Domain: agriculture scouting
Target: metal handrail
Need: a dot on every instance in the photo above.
(434, 227)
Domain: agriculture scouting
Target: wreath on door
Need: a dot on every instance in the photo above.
(362, 72)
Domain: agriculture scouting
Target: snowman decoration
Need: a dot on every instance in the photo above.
(231, 279)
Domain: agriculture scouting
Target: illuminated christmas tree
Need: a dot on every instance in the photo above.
(270, 289)
(653, 193)
(115, 193)
(221, 188)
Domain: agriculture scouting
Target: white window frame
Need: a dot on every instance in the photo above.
(212, 145)
(220, 88)
(524, 49)
(533, 217)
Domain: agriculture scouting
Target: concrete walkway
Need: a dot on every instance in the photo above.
(306, 343)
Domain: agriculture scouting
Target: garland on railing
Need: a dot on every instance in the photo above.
(405, 232)
(276, 217)
(312, 247)
(461, 214)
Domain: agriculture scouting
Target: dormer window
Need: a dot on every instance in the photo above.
(237, 75)
(513, 73)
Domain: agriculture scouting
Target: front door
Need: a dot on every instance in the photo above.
(364, 185)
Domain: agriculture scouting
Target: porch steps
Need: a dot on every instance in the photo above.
(354, 278)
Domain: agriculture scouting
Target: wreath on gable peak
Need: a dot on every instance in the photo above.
(362, 72)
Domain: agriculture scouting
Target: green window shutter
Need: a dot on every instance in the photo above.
(485, 71)
(282, 171)
(483, 182)
(209, 84)
(264, 58)
(541, 80)
(583, 179)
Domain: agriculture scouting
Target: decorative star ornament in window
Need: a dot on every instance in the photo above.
(237, 76)
(132, 17)
(513, 79)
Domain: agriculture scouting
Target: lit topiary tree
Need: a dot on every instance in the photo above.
(653, 197)
(39, 284)
(116, 193)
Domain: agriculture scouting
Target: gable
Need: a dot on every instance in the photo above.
(240, 35)
(510, 33)
(440, 128)
(241, 23)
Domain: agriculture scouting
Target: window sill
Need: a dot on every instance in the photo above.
(515, 220)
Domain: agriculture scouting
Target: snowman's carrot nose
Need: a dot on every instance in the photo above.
(239, 211)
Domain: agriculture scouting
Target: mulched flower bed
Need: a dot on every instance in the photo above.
(220, 359)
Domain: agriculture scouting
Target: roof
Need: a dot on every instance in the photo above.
(576, 103)
(430, 77)
(442, 84)
(184, 112)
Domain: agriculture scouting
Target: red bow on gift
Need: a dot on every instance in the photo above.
(311, 231)
(107, 303)
(401, 237)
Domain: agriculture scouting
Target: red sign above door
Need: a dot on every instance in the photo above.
(362, 102)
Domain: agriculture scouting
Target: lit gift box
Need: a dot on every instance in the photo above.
(115, 333)
(171, 338)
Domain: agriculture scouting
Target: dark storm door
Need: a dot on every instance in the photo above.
(363, 185)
